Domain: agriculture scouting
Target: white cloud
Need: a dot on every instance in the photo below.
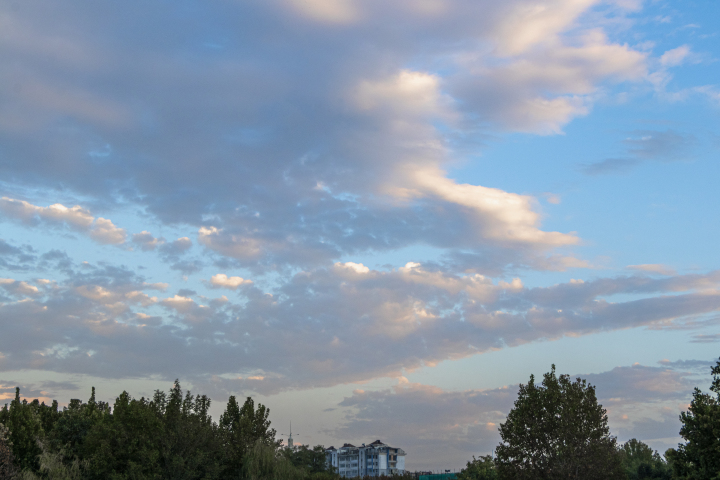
(542, 90)
(99, 229)
(75, 216)
(354, 267)
(223, 281)
(327, 11)
(179, 303)
(524, 25)
(498, 215)
(391, 115)
(675, 57)
(104, 231)
(406, 94)
(395, 321)
(20, 288)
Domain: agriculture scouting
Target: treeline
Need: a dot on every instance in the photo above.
(557, 430)
(170, 436)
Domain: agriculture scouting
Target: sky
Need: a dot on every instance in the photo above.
(375, 217)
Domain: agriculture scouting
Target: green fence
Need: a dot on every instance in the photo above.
(438, 476)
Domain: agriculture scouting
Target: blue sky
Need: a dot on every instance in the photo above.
(376, 217)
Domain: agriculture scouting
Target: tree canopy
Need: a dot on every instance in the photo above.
(640, 461)
(699, 457)
(557, 430)
(168, 436)
(481, 468)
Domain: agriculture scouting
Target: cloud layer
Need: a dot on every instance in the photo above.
(311, 329)
(302, 162)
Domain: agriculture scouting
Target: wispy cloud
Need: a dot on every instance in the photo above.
(647, 146)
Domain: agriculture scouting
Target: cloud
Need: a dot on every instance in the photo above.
(427, 422)
(327, 11)
(653, 268)
(675, 57)
(18, 288)
(104, 231)
(146, 241)
(223, 281)
(499, 216)
(179, 303)
(176, 247)
(74, 216)
(386, 111)
(689, 365)
(99, 229)
(610, 165)
(641, 384)
(13, 258)
(647, 145)
(395, 320)
(642, 403)
(543, 89)
(706, 338)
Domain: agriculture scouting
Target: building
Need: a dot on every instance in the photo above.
(366, 460)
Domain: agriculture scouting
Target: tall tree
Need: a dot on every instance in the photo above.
(126, 443)
(74, 423)
(25, 424)
(188, 447)
(242, 429)
(699, 457)
(557, 430)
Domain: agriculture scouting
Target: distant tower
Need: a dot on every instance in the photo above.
(290, 440)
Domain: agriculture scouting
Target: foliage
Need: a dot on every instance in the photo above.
(53, 466)
(640, 461)
(557, 430)
(8, 469)
(312, 460)
(699, 457)
(24, 420)
(170, 436)
(242, 429)
(264, 462)
(482, 468)
(75, 422)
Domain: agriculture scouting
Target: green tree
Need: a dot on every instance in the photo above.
(169, 437)
(482, 468)
(265, 462)
(242, 429)
(189, 447)
(699, 457)
(311, 460)
(126, 443)
(557, 430)
(640, 461)
(8, 469)
(53, 466)
(25, 425)
(74, 423)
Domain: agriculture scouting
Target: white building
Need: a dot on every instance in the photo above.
(367, 460)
